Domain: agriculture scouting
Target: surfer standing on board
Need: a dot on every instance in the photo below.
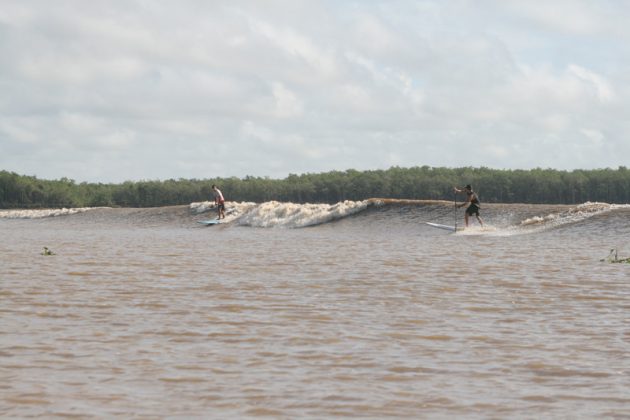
(219, 201)
(473, 203)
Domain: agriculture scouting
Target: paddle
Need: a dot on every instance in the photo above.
(455, 209)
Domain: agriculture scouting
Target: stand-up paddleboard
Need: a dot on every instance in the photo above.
(209, 222)
(445, 227)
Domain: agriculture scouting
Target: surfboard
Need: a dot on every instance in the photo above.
(445, 227)
(209, 222)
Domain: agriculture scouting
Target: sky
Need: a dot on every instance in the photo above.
(118, 90)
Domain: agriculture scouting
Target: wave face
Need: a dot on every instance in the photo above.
(499, 219)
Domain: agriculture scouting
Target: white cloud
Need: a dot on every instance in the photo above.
(595, 136)
(202, 89)
(16, 130)
(566, 16)
(287, 103)
(601, 86)
(296, 45)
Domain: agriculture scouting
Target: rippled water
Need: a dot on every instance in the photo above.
(143, 314)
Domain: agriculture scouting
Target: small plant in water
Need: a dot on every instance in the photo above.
(613, 257)
(47, 251)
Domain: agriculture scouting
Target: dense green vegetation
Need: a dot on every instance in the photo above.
(493, 185)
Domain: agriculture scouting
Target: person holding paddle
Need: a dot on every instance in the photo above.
(473, 203)
(220, 202)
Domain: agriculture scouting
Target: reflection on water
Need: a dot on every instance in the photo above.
(342, 320)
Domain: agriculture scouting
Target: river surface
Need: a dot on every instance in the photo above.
(289, 311)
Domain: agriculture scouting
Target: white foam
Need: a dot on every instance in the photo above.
(291, 215)
(541, 223)
(575, 214)
(231, 207)
(477, 230)
(41, 213)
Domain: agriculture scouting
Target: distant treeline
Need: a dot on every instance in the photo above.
(493, 185)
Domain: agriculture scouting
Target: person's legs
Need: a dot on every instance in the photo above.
(473, 210)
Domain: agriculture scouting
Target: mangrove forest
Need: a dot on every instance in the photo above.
(536, 186)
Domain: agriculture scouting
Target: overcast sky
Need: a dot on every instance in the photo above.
(108, 91)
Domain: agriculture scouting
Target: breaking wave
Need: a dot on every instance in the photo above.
(289, 215)
(41, 213)
(500, 219)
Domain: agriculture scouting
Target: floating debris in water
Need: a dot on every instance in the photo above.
(47, 251)
(613, 257)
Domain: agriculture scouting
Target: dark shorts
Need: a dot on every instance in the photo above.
(221, 206)
(473, 209)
